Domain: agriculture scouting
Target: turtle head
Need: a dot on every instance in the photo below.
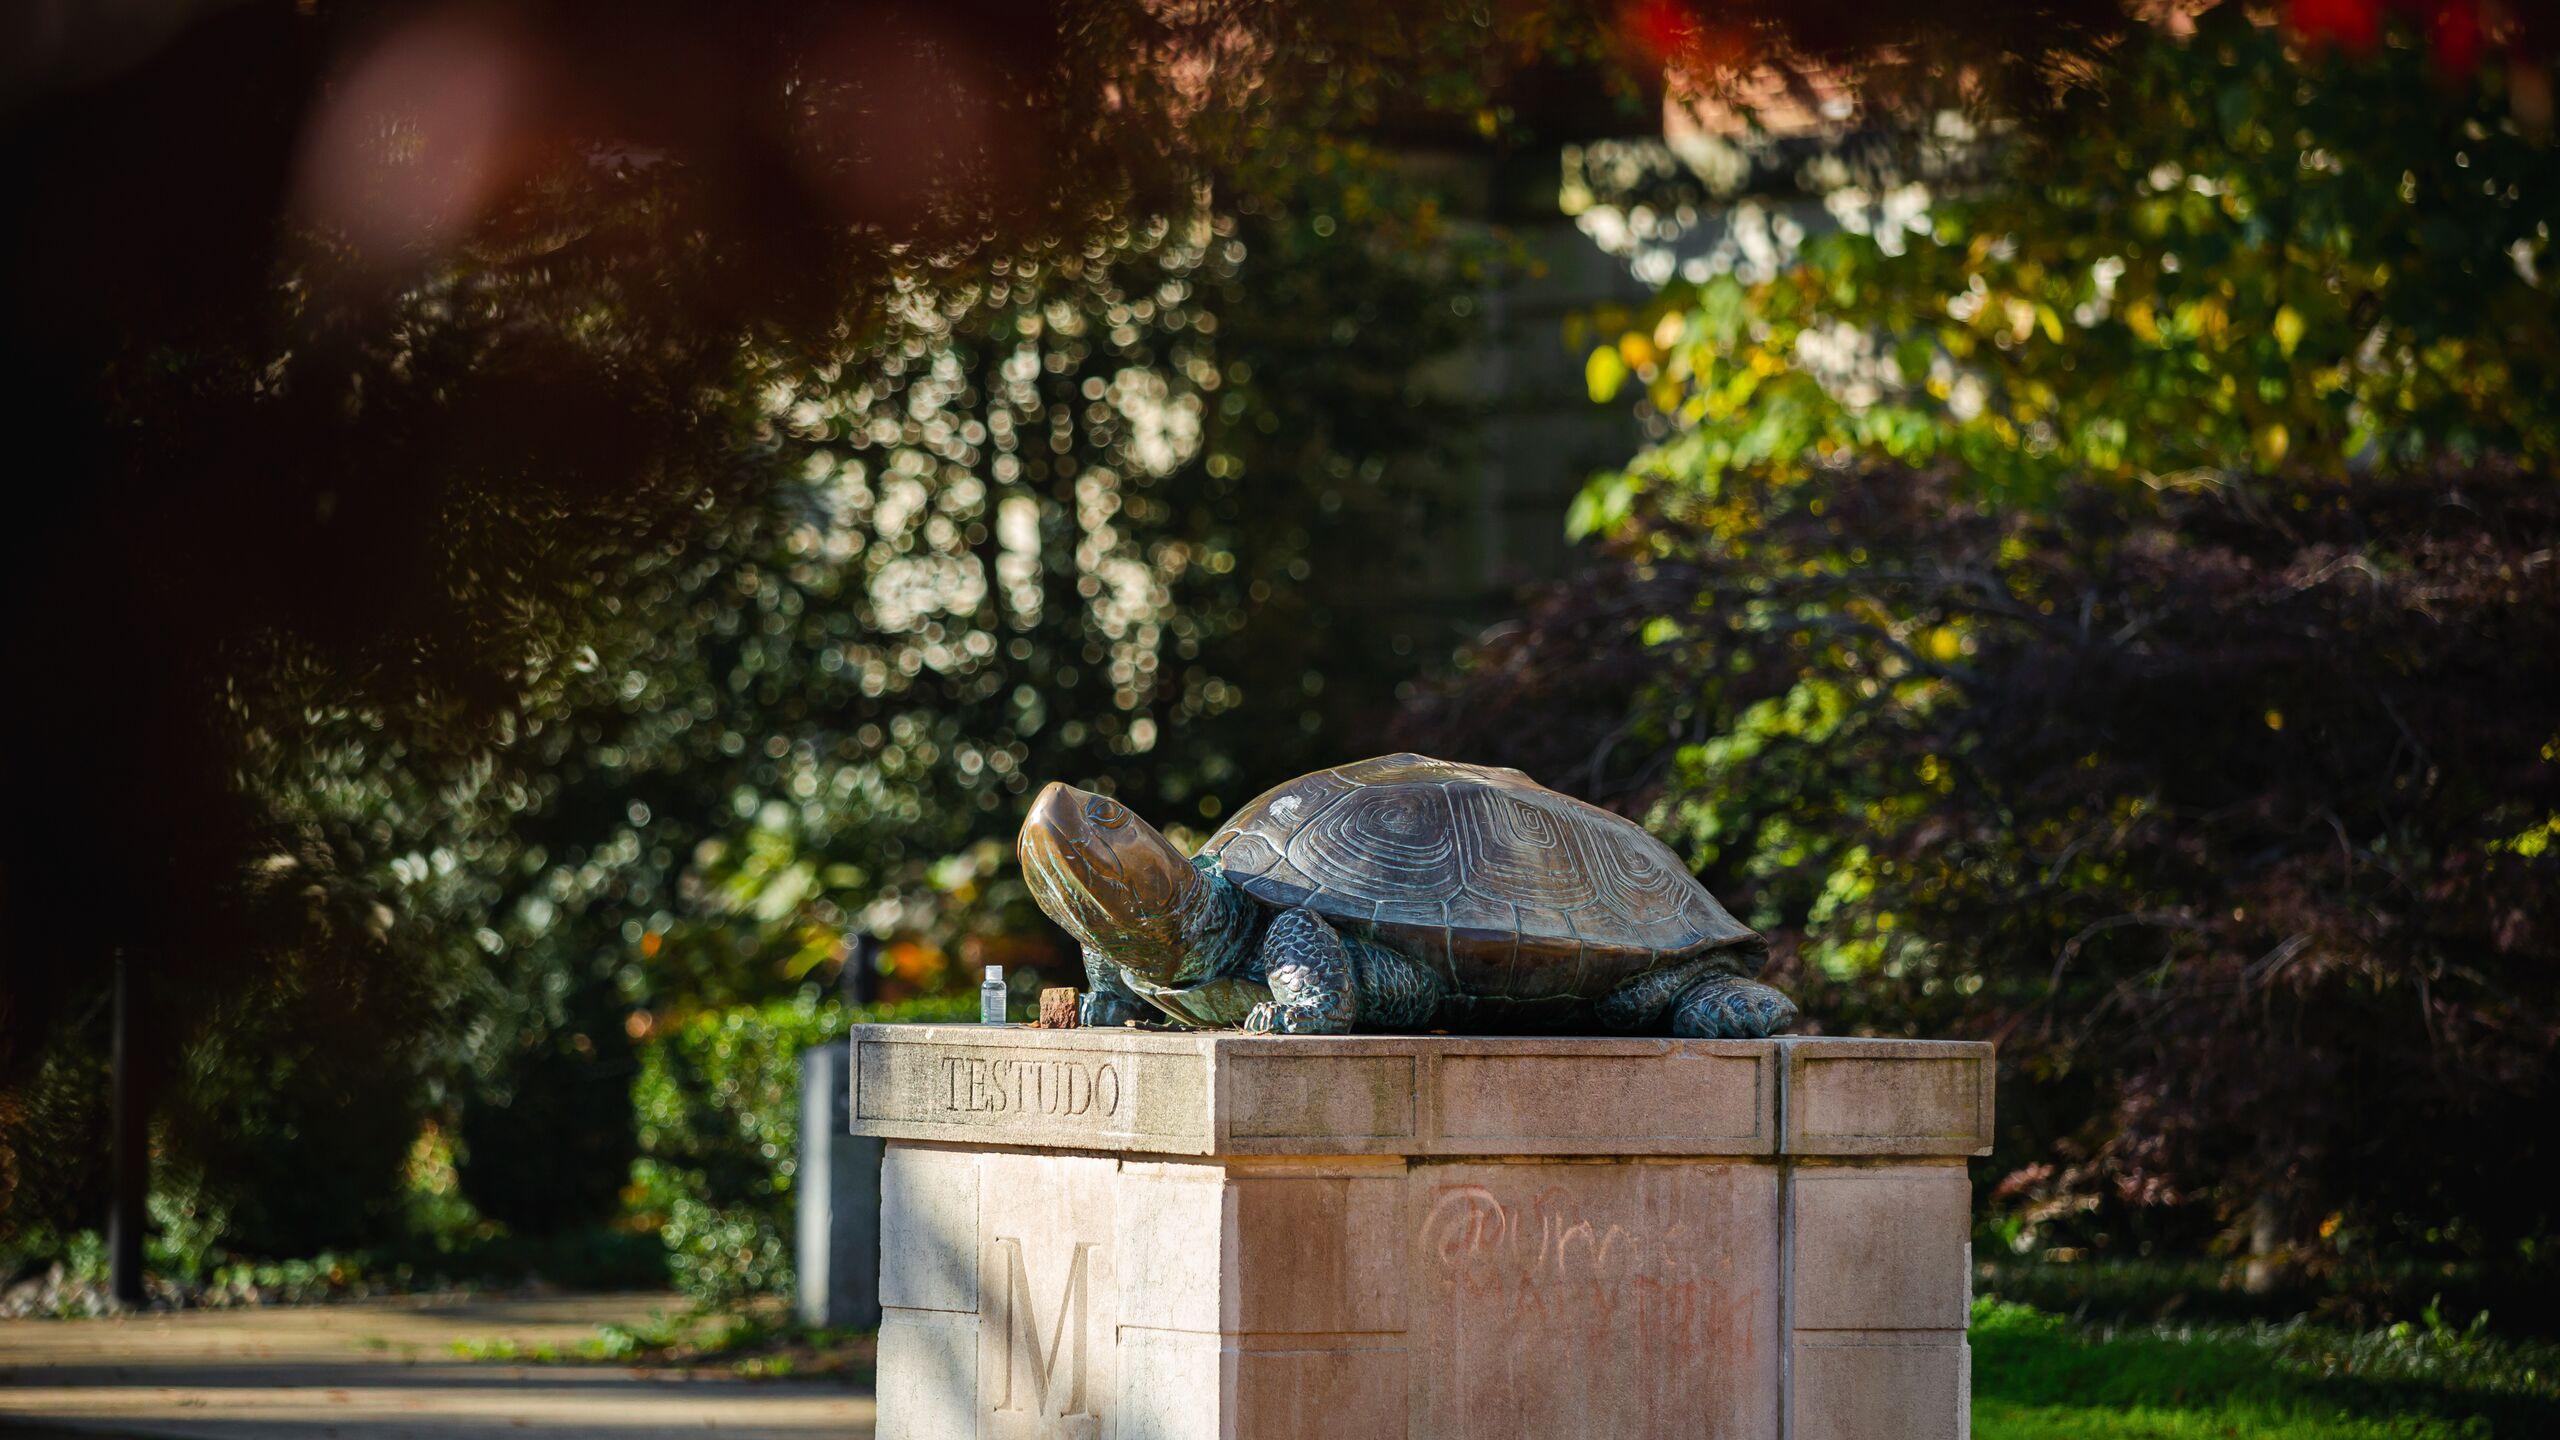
(1110, 878)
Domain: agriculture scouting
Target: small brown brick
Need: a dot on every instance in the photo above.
(1057, 1009)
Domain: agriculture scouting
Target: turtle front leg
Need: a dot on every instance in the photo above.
(1108, 1000)
(1309, 971)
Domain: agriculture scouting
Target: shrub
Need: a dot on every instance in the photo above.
(718, 1098)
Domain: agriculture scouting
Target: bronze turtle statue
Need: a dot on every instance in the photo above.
(1398, 893)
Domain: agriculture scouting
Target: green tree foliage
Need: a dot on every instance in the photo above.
(2116, 621)
(2234, 257)
(1025, 540)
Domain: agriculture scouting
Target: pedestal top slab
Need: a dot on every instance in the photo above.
(1226, 1093)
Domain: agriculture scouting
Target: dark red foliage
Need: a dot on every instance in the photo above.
(2245, 853)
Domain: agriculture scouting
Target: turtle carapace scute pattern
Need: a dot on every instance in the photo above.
(1394, 894)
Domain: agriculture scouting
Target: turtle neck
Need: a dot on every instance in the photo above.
(1219, 930)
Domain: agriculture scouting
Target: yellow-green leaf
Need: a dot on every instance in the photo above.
(1604, 372)
(2288, 328)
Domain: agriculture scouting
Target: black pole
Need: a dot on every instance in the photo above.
(132, 1120)
(860, 980)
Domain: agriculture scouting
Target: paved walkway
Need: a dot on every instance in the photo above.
(384, 1370)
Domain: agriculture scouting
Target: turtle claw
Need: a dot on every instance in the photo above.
(1273, 1017)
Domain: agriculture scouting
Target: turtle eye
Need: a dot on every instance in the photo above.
(1105, 813)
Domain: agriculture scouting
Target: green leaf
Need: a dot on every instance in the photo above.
(1601, 506)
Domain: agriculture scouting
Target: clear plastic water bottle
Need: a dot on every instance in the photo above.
(991, 997)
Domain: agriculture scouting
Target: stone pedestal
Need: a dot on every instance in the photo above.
(1117, 1235)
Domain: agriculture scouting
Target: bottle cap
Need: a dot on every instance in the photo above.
(995, 972)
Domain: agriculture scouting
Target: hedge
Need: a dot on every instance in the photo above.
(718, 1100)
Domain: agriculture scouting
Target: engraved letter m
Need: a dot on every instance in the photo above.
(1066, 1338)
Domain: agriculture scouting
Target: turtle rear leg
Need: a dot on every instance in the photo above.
(1721, 1005)
(1309, 971)
(1644, 1002)
(1394, 991)
(1701, 999)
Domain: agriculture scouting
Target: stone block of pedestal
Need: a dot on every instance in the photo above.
(1124, 1235)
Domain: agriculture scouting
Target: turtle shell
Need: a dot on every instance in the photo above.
(1509, 889)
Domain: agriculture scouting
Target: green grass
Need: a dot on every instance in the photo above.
(2038, 1376)
(2361, 1291)
(759, 1342)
